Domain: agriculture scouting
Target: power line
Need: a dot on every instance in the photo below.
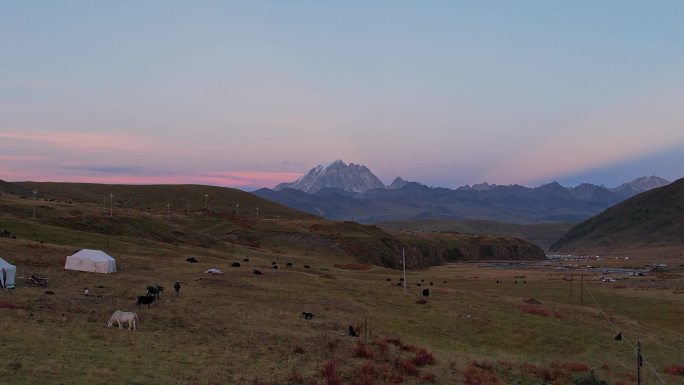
(634, 348)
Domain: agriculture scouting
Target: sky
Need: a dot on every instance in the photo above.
(250, 94)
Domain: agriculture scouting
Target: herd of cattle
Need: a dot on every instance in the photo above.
(153, 293)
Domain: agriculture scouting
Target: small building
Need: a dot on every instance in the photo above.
(7, 274)
(96, 261)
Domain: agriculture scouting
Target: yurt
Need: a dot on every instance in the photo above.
(96, 261)
(7, 273)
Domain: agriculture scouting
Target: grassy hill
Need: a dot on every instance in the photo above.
(653, 219)
(541, 234)
(79, 214)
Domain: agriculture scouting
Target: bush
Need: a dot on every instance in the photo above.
(589, 379)
(675, 370)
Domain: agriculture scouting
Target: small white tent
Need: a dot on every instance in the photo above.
(7, 273)
(91, 260)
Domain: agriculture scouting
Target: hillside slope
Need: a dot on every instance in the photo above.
(139, 223)
(653, 218)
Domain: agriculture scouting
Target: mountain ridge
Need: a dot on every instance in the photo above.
(350, 198)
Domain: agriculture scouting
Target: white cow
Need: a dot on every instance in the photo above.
(124, 316)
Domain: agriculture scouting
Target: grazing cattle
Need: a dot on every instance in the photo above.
(444, 281)
(422, 280)
(191, 260)
(308, 315)
(419, 284)
(426, 292)
(524, 281)
(121, 317)
(307, 266)
(289, 264)
(257, 272)
(399, 284)
(275, 267)
(273, 262)
(516, 282)
(145, 300)
(401, 279)
(245, 260)
(352, 332)
(431, 283)
(155, 290)
(236, 264)
(49, 292)
(389, 279)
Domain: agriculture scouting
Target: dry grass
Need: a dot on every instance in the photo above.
(240, 328)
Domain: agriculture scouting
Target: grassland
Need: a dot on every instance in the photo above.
(241, 328)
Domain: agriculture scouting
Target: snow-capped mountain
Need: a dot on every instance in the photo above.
(639, 185)
(348, 177)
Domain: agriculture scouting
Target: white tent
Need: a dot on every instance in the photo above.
(7, 273)
(91, 260)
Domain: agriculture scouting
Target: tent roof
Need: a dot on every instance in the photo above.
(93, 255)
(5, 264)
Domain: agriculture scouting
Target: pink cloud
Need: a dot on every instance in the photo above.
(73, 140)
(228, 179)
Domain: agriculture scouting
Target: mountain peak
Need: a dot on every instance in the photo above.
(639, 185)
(398, 182)
(337, 175)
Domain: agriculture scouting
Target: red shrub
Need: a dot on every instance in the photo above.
(407, 367)
(329, 373)
(476, 376)
(486, 365)
(362, 351)
(382, 346)
(7, 305)
(675, 370)
(332, 345)
(422, 358)
(366, 376)
(540, 311)
(573, 367)
(543, 373)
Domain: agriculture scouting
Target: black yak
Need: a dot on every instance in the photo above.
(155, 290)
(145, 300)
(308, 315)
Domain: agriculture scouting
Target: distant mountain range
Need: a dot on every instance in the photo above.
(650, 219)
(343, 191)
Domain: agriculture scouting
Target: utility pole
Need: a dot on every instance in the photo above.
(257, 213)
(35, 192)
(237, 209)
(582, 289)
(168, 213)
(111, 203)
(639, 362)
(571, 275)
(206, 197)
(403, 263)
